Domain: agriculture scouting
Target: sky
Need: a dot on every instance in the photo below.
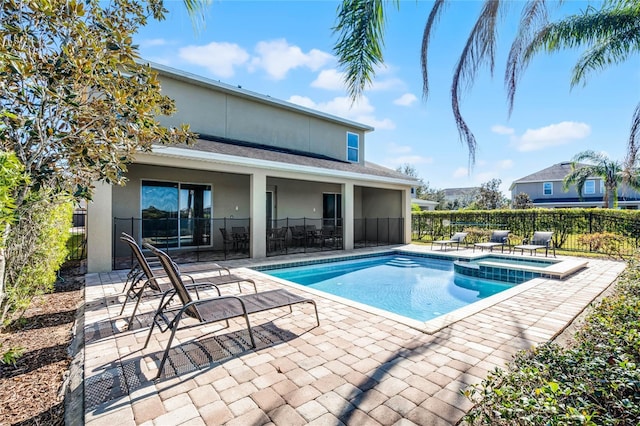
(284, 49)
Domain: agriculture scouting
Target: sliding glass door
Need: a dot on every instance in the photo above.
(176, 214)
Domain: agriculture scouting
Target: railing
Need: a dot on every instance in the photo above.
(569, 226)
(203, 239)
(373, 232)
(186, 240)
(77, 244)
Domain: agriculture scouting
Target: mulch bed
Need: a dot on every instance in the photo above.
(31, 391)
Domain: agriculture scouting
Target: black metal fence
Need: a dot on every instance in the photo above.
(204, 239)
(77, 244)
(571, 227)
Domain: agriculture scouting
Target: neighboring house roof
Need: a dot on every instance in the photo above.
(424, 203)
(235, 151)
(557, 172)
(459, 192)
(243, 93)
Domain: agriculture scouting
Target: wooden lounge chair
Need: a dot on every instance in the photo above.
(153, 281)
(214, 309)
(540, 240)
(456, 239)
(497, 239)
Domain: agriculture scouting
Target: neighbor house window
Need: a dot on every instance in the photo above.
(176, 214)
(547, 188)
(589, 187)
(601, 186)
(353, 147)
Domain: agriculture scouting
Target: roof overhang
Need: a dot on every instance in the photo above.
(232, 160)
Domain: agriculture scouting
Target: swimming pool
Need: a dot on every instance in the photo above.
(420, 288)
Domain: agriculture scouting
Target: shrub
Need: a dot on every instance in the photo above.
(35, 249)
(596, 382)
(604, 242)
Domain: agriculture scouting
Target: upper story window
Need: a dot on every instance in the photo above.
(547, 188)
(589, 187)
(353, 147)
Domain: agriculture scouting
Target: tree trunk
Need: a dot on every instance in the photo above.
(3, 264)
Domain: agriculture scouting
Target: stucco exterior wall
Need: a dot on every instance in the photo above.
(229, 190)
(299, 199)
(378, 202)
(213, 112)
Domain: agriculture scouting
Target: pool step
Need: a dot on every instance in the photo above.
(403, 262)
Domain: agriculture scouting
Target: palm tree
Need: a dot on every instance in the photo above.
(613, 173)
(611, 34)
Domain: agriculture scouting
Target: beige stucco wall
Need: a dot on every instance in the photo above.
(212, 112)
(299, 199)
(229, 190)
(378, 202)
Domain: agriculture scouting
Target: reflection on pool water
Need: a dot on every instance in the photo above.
(420, 288)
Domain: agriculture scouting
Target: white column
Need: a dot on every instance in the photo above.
(347, 215)
(100, 229)
(406, 214)
(258, 208)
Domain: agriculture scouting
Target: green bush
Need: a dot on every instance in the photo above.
(35, 249)
(595, 382)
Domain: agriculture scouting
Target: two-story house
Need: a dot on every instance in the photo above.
(258, 162)
(545, 188)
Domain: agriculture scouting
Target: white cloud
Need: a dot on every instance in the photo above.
(331, 79)
(360, 111)
(219, 58)
(394, 148)
(407, 99)
(152, 42)
(502, 130)
(460, 172)
(505, 164)
(387, 84)
(277, 57)
(552, 135)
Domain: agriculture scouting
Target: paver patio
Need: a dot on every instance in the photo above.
(356, 368)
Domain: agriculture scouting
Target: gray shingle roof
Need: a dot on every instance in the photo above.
(552, 173)
(247, 150)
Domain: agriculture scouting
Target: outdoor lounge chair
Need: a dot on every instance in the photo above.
(497, 239)
(155, 280)
(214, 309)
(456, 239)
(540, 240)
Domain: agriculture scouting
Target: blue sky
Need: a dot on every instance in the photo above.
(284, 49)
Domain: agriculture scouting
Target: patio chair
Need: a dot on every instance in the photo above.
(497, 239)
(152, 279)
(540, 240)
(456, 239)
(214, 309)
(276, 239)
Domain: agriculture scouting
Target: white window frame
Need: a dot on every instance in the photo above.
(589, 187)
(351, 148)
(544, 189)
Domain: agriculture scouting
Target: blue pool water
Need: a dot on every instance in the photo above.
(415, 287)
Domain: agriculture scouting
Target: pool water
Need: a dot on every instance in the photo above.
(415, 287)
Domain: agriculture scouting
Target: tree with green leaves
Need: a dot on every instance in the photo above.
(490, 196)
(76, 103)
(610, 35)
(423, 190)
(522, 201)
(613, 174)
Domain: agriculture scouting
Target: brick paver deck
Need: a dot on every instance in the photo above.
(356, 368)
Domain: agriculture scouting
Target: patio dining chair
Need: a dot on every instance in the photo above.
(456, 239)
(214, 309)
(153, 281)
(497, 239)
(540, 240)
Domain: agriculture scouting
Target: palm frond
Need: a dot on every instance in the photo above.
(534, 15)
(361, 39)
(479, 48)
(197, 12)
(613, 32)
(434, 16)
(631, 159)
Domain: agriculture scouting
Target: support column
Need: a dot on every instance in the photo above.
(406, 214)
(99, 228)
(347, 215)
(258, 209)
